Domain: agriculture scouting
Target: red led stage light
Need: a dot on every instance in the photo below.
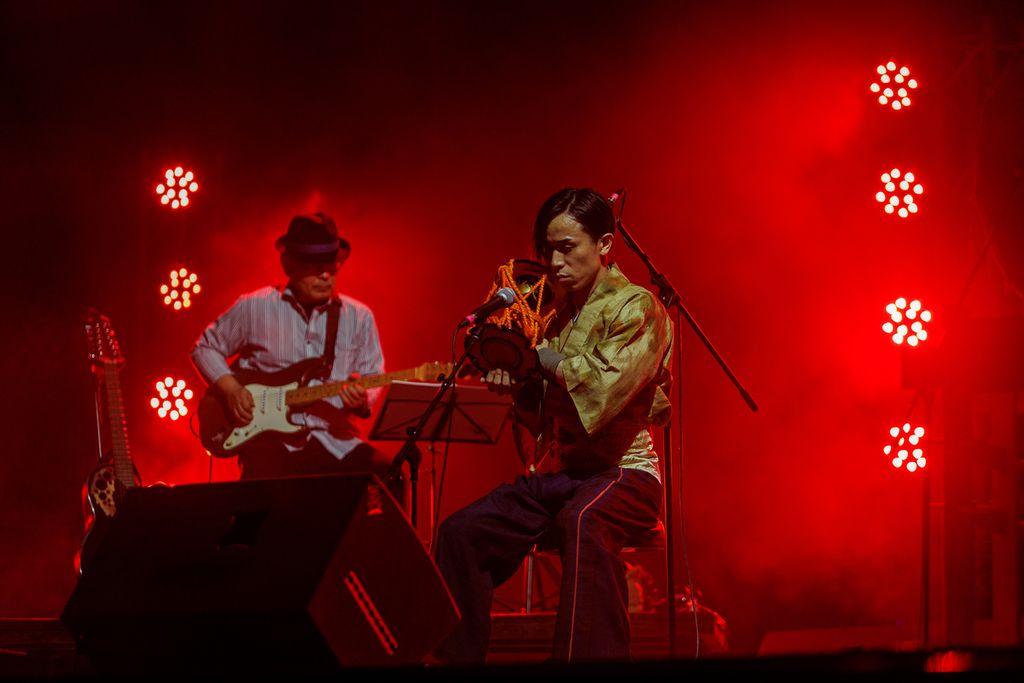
(176, 186)
(181, 288)
(172, 398)
(893, 86)
(905, 447)
(898, 193)
(907, 322)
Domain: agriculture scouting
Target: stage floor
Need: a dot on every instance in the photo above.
(43, 648)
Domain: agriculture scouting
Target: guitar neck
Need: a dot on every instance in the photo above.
(305, 395)
(118, 426)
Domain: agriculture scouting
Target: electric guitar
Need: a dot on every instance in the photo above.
(107, 482)
(276, 394)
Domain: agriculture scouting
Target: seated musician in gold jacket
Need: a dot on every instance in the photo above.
(605, 373)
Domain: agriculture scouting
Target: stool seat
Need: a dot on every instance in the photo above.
(653, 538)
(648, 539)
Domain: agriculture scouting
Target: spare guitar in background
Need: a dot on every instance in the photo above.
(275, 395)
(115, 473)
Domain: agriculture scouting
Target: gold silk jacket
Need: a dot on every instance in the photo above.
(617, 371)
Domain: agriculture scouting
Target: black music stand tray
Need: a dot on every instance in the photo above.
(469, 414)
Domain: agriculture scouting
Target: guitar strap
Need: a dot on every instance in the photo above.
(333, 314)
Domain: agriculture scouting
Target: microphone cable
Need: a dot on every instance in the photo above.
(444, 457)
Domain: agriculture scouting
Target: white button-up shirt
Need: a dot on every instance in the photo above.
(268, 331)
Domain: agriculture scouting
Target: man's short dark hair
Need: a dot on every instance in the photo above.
(583, 205)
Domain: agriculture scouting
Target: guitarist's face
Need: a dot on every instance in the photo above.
(312, 283)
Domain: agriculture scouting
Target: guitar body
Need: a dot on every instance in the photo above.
(101, 494)
(218, 433)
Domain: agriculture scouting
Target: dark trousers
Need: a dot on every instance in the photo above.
(481, 546)
(267, 458)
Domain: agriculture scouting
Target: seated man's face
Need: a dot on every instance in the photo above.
(312, 283)
(573, 256)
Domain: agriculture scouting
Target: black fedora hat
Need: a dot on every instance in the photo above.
(312, 237)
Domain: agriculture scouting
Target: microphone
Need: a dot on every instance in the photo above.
(616, 195)
(503, 298)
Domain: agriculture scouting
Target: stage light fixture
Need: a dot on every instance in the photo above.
(905, 447)
(898, 192)
(181, 289)
(893, 85)
(907, 322)
(176, 186)
(172, 398)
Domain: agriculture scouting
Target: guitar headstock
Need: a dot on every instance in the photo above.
(433, 372)
(104, 348)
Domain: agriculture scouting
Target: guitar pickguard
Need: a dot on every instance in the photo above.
(102, 488)
(270, 414)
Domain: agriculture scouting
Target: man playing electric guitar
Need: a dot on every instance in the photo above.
(275, 328)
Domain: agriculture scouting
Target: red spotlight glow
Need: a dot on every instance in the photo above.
(907, 322)
(172, 398)
(176, 186)
(893, 85)
(905, 447)
(898, 192)
(181, 289)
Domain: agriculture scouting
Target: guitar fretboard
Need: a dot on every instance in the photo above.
(118, 426)
(304, 395)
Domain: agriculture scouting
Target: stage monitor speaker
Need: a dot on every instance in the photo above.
(299, 574)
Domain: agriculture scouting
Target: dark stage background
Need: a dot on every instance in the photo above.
(751, 150)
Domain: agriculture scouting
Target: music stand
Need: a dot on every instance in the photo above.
(469, 414)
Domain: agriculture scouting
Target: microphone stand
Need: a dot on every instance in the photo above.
(669, 297)
(409, 451)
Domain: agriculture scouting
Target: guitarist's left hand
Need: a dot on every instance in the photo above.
(354, 397)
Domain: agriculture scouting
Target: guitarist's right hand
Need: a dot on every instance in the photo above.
(237, 399)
